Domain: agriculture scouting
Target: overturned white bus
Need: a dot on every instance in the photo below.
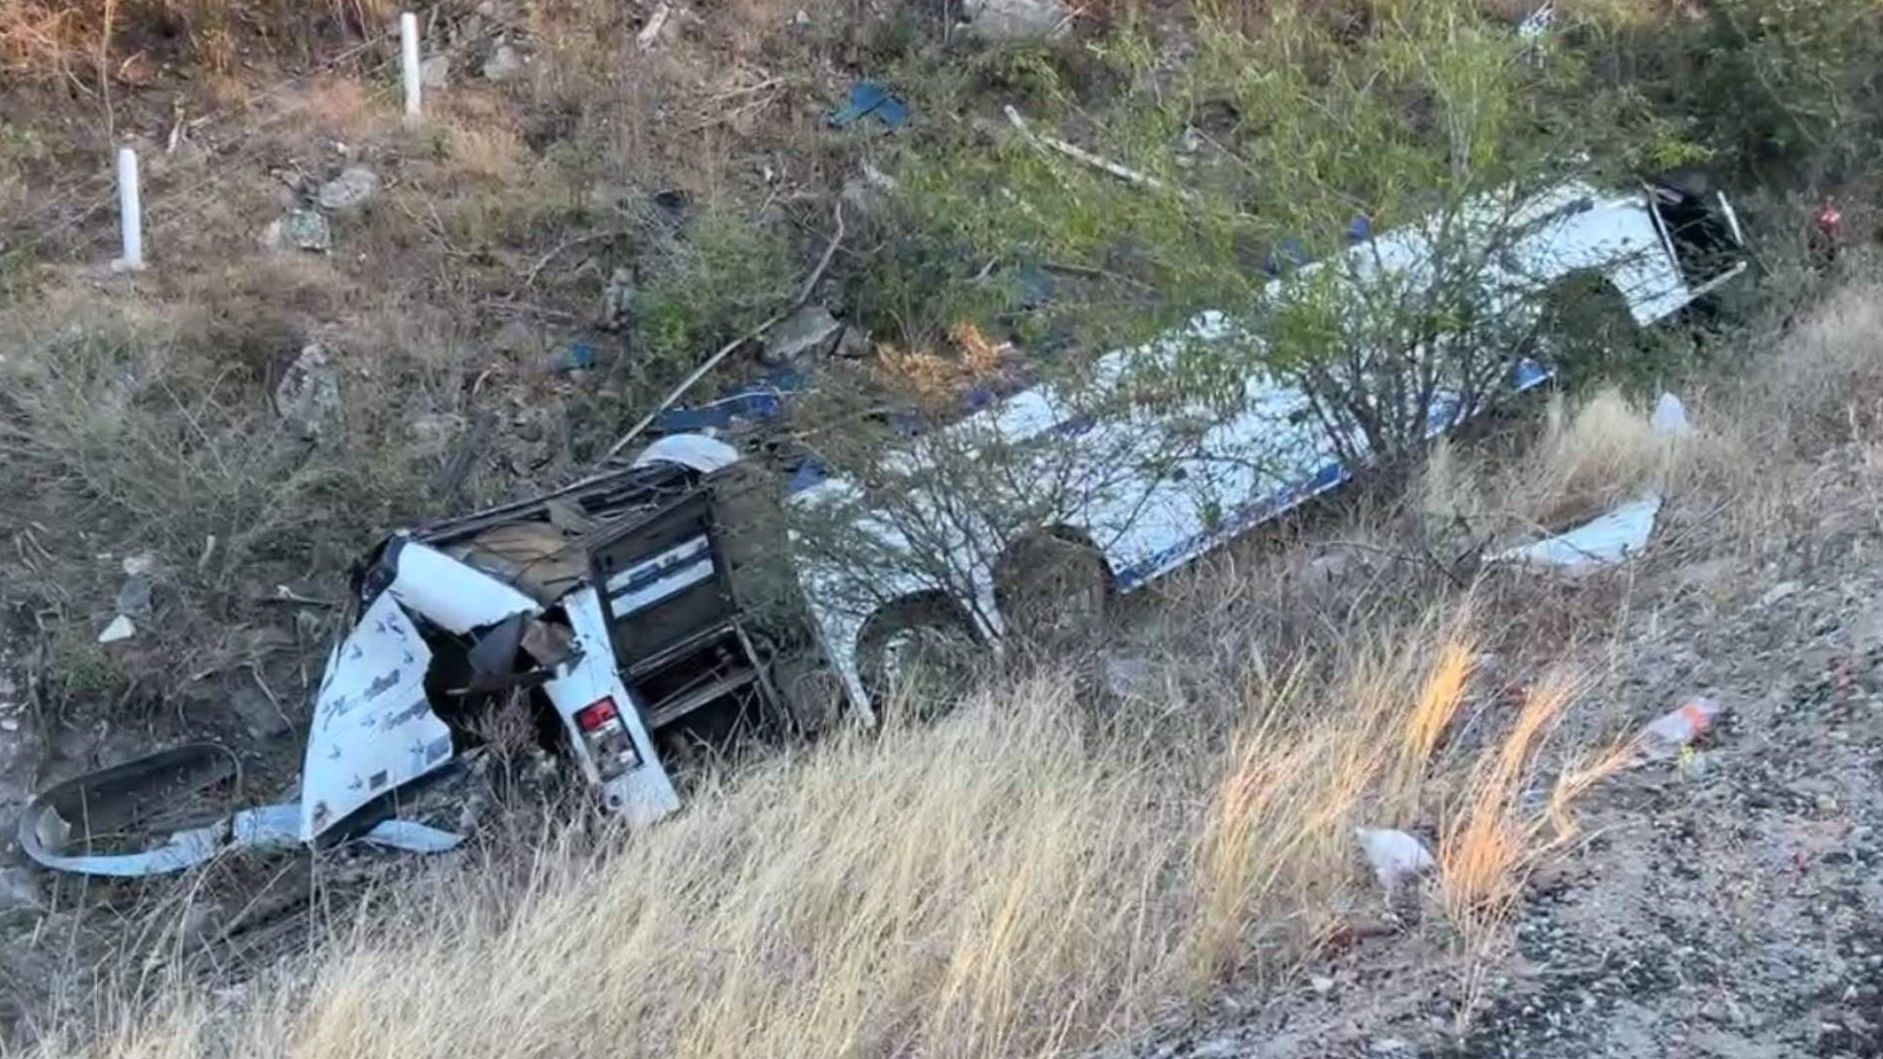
(1124, 497)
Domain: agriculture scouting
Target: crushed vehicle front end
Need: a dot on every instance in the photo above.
(604, 613)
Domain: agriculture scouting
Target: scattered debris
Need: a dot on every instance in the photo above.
(1080, 154)
(1611, 538)
(1016, 20)
(1668, 734)
(1670, 418)
(1538, 22)
(121, 628)
(867, 191)
(134, 595)
(1394, 855)
(1778, 593)
(434, 71)
(353, 187)
(20, 891)
(1129, 677)
(870, 99)
(576, 356)
(1622, 532)
(259, 714)
(505, 63)
(299, 230)
(64, 825)
(308, 396)
(803, 335)
(655, 22)
(804, 295)
(140, 576)
(618, 300)
(412, 837)
(88, 810)
(853, 344)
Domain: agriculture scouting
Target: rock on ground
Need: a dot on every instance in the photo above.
(1016, 20)
(353, 187)
(804, 334)
(308, 396)
(299, 230)
(504, 64)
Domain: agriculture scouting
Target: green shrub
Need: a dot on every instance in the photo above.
(724, 276)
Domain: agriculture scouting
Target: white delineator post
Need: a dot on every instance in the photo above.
(130, 213)
(408, 47)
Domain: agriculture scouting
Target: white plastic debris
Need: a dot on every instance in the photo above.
(1611, 538)
(1537, 22)
(1620, 533)
(120, 628)
(1666, 735)
(1670, 418)
(452, 594)
(412, 837)
(1395, 855)
(697, 451)
(1778, 593)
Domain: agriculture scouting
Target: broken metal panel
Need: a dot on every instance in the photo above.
(373, 728)
(1615, 536)
(411, 837)
(644, 793)
(696, 451)
(678, 568)
(70, 826)
(65, 826)
(266, 826)
(453, 595)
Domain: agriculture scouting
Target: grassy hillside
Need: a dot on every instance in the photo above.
(1059, 865)
(1097, 842)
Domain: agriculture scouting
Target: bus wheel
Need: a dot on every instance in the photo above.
(1052, 587)
(917, 654)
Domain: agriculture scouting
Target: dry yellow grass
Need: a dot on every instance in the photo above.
(1605, 452)
(1590, 455)
(88, 39)
(1016, 880)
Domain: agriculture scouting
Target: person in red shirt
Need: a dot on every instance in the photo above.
(1827, 234)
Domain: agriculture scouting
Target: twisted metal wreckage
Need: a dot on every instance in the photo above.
(615, 605)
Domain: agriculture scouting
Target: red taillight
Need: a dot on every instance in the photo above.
(606, 738)
(595, 714)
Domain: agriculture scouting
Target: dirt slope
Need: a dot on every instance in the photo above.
(1727, 904)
